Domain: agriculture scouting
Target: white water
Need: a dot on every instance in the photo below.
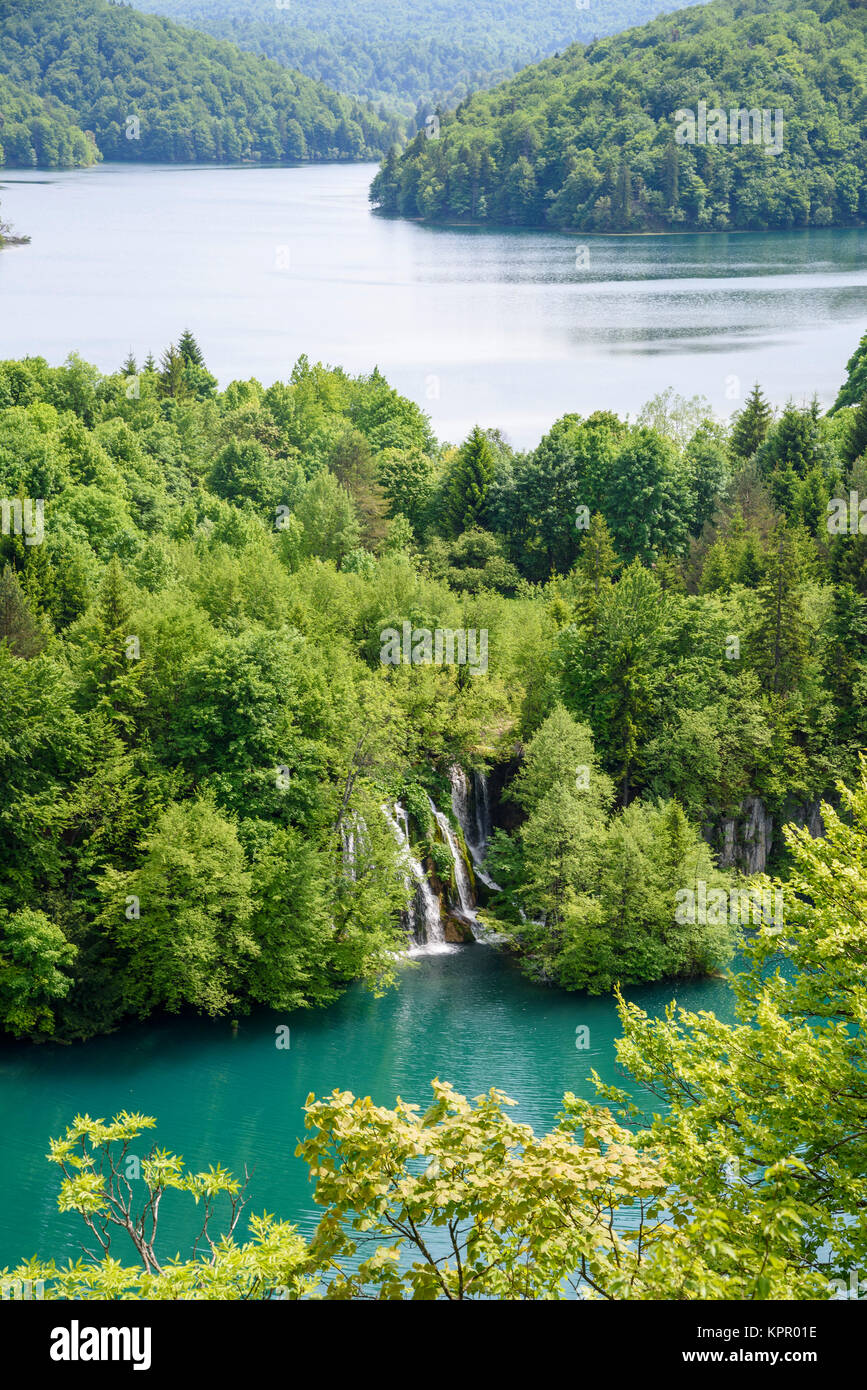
(477, 827)
(466, 908)
(425, 918)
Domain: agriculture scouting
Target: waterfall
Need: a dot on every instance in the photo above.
(462, 878)
(466, 908)
(425, 918)
(476, 826)
(347, 845)
(353, 838)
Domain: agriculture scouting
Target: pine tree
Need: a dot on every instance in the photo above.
(18, 626)
(747, 564)
(190, 350)
(855, 385)
(751, 425)
(793, 443)
(858, 439)
(597, 561)
(149, 363)
(716, 570)
(116, 673)
(130, 367)
(781, 635)
(469, 483)
(844, 661)
(172, 382)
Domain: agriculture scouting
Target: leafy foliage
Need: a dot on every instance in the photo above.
(146, 89)
(586, 140)
(436, 54)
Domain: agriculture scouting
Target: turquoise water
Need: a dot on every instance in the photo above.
(468, 1017)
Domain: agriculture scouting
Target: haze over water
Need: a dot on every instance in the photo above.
(499, 328)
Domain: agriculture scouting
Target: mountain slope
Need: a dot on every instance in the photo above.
(587, 140)
(151, 90)
(405, 53)
(34, 131)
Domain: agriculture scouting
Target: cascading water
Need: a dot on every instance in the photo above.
(425, 918)
(353, 837)
(476, 826)
(465, 909)
(462, 878)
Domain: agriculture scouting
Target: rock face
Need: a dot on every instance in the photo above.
(745, 841)
(458, 932)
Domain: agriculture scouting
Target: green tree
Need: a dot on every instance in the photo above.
(647, 505)
(18, 626)
(469, 482)
(99, 1162)
(190, 350)
(182, 917)
(779, 641)
(34, 958)
(750, 426)
(854, 388)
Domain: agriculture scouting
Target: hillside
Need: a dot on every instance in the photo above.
(407, 54)
(148, 89)
(262, 548)
(34, 131)
(586, 141)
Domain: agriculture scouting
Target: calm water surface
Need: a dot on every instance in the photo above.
(499, 328)
(468, 1017)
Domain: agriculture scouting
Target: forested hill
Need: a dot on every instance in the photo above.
(405, 53)
(148, 89)
(587, 140)
(34, 131)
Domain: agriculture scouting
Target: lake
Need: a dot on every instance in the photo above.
(467, 1017)
(507, 329)
(499, 328)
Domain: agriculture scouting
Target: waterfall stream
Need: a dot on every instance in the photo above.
(425, 917)
(425, 913)
(476, 825)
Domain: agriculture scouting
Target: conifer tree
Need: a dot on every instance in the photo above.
(172, 381)
(190, 350)
(18, 626)
(854, 387)
(596, 566)
(469, 483)
(751, 425)
(793, 443)
(781, 634)
(858, 439)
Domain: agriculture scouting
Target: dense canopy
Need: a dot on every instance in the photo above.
(589, 141)
(147, 89)
(406, 54)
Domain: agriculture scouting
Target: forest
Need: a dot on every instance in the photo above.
(588, 141)
(84, 79)
(744, 1186)
(436, 54)
(35, 130)
(194, 706)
